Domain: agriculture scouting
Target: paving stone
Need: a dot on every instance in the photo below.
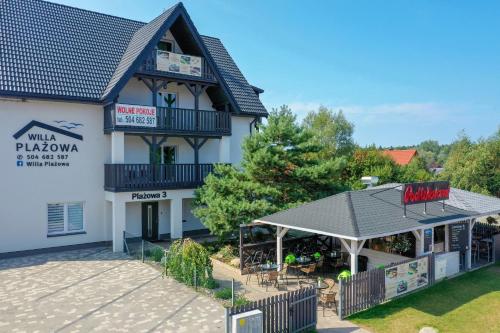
(98, 290)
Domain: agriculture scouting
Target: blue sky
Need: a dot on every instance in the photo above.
(402, 71)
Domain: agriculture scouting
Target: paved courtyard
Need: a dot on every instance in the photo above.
(97, 290)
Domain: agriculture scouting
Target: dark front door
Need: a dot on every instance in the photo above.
(150, 221)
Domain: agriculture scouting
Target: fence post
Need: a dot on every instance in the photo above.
(341, 299)
(165, 256)
(232, 292)
(195, 281)
(227, 319)
(142, 251)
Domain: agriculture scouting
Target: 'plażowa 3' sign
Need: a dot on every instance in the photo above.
(415, 193)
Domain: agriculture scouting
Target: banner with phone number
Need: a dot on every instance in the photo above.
(135, 115)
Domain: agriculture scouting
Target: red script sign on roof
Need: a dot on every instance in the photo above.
(424, 192)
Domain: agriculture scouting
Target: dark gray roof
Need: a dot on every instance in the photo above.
(60, 52)
(242, 91)
(56, 51)
(139, 41)
(364, 214)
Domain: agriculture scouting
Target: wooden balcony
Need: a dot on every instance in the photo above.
(148, 177)
(155, 66)
(174, 121)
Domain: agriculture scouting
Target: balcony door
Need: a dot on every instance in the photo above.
(167, 100)
(150, 221)
(164, 158)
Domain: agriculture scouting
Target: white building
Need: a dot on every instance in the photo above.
(108, 124)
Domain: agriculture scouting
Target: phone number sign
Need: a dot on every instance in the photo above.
(135, 115)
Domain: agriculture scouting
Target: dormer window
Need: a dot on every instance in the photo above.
(166, 46)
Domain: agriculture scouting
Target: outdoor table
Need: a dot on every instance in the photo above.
(268, 267)
(334, 254)
(318, 286)
(303, 260)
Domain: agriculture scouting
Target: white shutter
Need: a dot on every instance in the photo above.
(75, 216)
(55, 218)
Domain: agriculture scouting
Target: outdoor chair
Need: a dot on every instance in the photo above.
(284, 273)
(308, 270)
(330, 283)
(319, 264)
(327, 300)
(252, 270)
(271, 278)
(345, 259)
(337, 263)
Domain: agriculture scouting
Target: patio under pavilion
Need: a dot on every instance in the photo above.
(362, 224)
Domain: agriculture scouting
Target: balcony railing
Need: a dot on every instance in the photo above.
(133, 177)
(158, 63)
(176, 121)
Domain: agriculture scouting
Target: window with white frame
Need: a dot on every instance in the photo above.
(64, 218)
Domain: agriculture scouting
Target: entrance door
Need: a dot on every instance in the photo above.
(150, 221)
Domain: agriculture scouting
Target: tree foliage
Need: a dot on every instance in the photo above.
(331, 131)
(474, 166)
(281, 167)
(369, 162)
(229, 198)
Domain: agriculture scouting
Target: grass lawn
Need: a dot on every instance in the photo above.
(468, 303)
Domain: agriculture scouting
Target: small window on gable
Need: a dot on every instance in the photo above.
(166, 46)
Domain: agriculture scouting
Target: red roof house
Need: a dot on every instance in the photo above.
(401, 157)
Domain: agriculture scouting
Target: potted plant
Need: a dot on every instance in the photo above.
(401, 244)
(316, 256)
(344, 274)
(290, 259)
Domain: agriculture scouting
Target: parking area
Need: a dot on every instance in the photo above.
(98, 290)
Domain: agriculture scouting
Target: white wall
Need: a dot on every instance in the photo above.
(137, 151)
(240, 130)
(377, 258)
(133, 220)
(136, 92)
(27, 190)
(190, 222)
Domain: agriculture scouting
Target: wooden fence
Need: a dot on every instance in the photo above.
(291, 312)
(367, 289)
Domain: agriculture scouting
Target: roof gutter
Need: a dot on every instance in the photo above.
(307, 230)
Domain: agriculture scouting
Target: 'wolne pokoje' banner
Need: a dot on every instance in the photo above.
(135, 115)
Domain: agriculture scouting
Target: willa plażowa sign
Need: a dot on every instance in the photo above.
(47, 145)
(415, 193)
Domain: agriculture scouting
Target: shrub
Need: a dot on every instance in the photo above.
(241, 300)
(157, 254)
(212, 284)
(226, 253)
(187, 257)
(224, 293)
